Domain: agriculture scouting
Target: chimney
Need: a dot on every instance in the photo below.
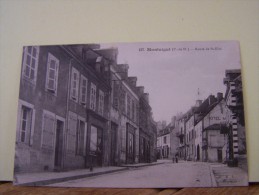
(198, 103)
(212, 99)
(133, 81)
(140, 90)
(173, 119)
(219, 96)
(123, 70)
(98, 63)
(146, 97)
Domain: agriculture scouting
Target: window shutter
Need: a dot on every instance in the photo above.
(48, 131)
(83, 90)
(52, 73)
(32, 126)
(74, 84)
(71, 135)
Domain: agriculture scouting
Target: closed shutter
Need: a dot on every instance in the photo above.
(48, 131)
(71, 135)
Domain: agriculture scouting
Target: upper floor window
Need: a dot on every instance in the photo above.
(52, 73)
(123, 101)
(133, 110)
(115, 94)
(101, 102)
(30, 63)
(83, 90)
(128, 106)
(74, 84)
(93, 97)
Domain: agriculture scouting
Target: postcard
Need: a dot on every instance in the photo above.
(131, 115)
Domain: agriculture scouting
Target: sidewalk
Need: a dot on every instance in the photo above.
(229, 176)
(46, 178)
(160, 161)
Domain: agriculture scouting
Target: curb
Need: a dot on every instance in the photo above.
(63, 179)
(146, 165)
(212, 176)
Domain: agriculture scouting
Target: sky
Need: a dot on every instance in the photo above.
(172, 72)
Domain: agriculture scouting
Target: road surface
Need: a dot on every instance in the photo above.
(168, 175)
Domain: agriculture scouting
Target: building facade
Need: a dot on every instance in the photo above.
(62, 114)
(235, 118)
(77, 109)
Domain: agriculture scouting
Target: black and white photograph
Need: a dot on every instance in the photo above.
(131, 115)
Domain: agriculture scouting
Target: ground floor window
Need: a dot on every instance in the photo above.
(26, 120)
(26, 117)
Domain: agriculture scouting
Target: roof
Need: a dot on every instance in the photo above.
(215, 127)
(206, 107)
(164, 132)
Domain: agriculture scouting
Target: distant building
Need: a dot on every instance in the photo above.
(163, 143)
(181, 134)
(213, 140)
(200, 133)
(161, 125)
(174, 140)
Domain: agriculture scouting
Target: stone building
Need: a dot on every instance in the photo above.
(213, 140)
(78, 108)
(181, 134)
(131, 117)
(124, 117)
(63, 109)
(163, 144)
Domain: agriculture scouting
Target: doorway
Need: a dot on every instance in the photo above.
(113, 144)
(219, 155)
(198, 153)
(58, 144)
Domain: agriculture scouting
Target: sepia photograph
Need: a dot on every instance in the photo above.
(131, 115)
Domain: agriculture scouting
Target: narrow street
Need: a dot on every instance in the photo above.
(182, 174)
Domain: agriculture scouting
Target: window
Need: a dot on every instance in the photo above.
(123, 101)
(52, 73)
(133, 110)
(81, 137)
(128, 105)
(26, 122)
(74, 84)
(83, 90)
(101, 102)
(115, 89)
(93, 97)
(48, 130)
(165, 140)
(30, 63)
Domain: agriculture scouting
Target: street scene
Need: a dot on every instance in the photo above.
(131, 115)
